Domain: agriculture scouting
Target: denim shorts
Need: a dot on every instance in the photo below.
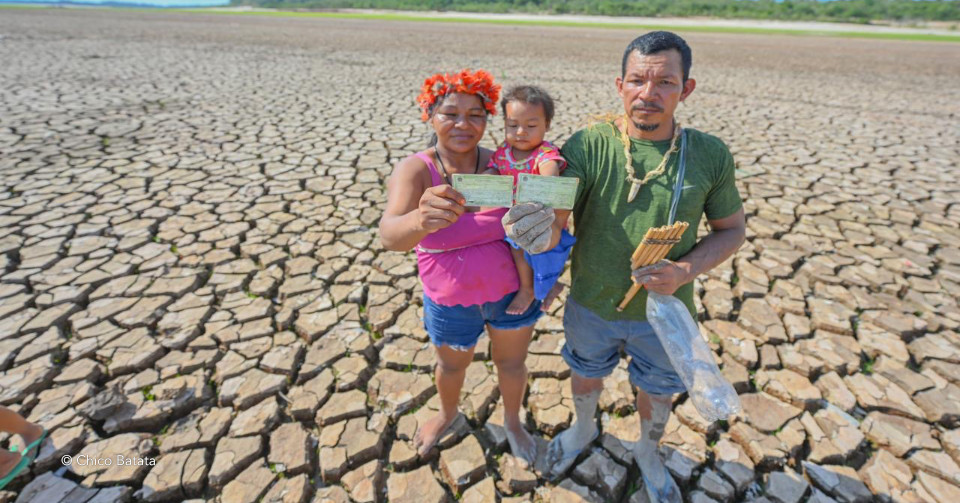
(592, 349)
(461, 326)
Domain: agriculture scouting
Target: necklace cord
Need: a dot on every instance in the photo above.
(661, 168)
(443, 169)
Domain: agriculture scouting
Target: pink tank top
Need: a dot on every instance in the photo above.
(467, 263)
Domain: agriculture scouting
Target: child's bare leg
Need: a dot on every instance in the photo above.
(524, 297)
(451, 369)
(555, 291)
(509, 353)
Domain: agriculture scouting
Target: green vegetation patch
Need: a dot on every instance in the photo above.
(401, 16)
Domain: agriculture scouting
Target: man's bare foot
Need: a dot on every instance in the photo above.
(552, 296)
(430, 432)
(567, 446)
(8, 461)
(657, 481)
(522, 444)
(521, 301)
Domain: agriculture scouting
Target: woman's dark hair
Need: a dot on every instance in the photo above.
(531, 95)
(659, 41)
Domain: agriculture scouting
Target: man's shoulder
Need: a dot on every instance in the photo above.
(706, 140)
(590, 134)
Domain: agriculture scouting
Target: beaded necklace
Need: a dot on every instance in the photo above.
(636, 183)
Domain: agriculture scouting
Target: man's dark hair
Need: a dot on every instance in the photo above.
(659, 41)
(532, 95)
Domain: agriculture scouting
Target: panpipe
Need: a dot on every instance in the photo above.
(654, 247)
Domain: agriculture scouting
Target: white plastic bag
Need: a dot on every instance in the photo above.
(691, 357)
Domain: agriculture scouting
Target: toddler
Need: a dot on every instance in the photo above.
(527, 112)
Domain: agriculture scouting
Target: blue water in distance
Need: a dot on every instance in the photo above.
(128, 3)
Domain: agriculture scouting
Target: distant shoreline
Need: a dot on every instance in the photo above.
(675, 21)
(741, 26)
(109, 4)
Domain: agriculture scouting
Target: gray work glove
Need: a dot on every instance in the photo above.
(530, 225)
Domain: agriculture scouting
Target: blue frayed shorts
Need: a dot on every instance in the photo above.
(461, 326)
(547, 266)
(592, 349)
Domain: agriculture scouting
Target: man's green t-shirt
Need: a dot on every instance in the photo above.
(608, 228)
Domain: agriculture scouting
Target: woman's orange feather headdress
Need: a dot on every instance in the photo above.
(479, 83)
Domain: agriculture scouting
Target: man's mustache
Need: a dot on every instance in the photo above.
(645, 105)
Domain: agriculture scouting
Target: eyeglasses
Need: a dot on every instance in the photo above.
(471, 118)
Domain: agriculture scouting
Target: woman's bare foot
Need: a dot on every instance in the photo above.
(430, 432)
(551, 296)
(522, 444)
(521, 301)
(32, 434)
(8, 461)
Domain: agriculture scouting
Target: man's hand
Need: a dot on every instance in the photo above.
(664, 277)
(530, 225)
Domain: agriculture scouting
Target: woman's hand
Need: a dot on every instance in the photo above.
(440, 206)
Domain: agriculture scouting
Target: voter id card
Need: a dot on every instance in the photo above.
(485, 190)
(551, 191)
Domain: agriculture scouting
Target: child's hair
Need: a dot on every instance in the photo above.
(532, 95)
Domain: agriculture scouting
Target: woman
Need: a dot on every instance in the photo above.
(15, 460)
(465, 265)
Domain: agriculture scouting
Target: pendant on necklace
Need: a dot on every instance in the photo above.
(634, 188)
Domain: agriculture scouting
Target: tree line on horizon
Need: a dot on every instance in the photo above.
(855, 11)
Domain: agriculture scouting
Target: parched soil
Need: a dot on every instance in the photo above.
(190, 272)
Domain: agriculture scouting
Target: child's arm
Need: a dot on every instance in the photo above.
(550, 162)
(550, 168)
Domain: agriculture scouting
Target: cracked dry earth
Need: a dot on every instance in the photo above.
(191, 272)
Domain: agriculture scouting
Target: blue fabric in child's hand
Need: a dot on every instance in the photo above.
(548, 266)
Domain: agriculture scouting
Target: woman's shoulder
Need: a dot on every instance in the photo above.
(414, 166)
(487, 155)
(421, 160)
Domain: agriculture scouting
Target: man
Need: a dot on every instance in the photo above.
(622, 193)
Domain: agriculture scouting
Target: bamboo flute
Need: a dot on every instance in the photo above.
(661, 250)
(648, 254)
(643, 258)
(640, 248)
